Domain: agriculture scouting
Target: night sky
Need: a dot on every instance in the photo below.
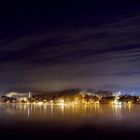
(69, 44)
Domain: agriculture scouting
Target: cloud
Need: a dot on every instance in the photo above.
(86, 56)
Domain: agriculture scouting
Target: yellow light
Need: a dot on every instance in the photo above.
(62, 100)
(40, 103)
(97, 102)
(129, 102)
(51, 101)
(112, 102)
(75, 102)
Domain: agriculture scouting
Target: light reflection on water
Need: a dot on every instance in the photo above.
(73, 114)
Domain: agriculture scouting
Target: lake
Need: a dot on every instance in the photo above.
(40, 120)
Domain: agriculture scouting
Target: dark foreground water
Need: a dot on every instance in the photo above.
(30, 121)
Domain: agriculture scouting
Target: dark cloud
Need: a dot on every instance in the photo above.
(102, 56)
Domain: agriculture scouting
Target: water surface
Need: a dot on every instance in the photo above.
(115, 115)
